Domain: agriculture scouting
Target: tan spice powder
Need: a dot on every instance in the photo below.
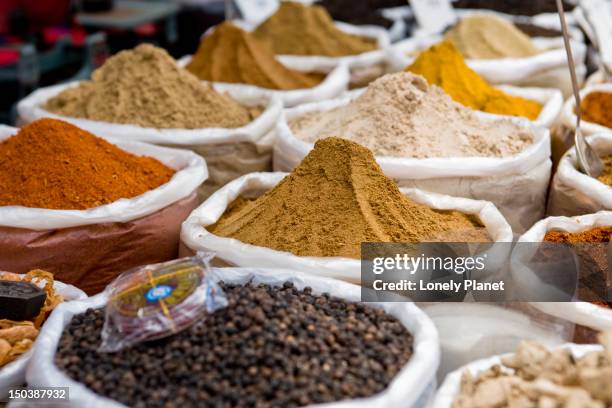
(298, 29)
(482, 36)
(337, 198)
(146, 87)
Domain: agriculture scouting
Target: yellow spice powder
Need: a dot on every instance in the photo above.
(443, 65)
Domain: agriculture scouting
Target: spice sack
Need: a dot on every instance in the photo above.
(306, 38)
(588, 317)
(196, 237)
(573, 192)
(563, 133)
(412, 387)
(88, 248)
(450, 389)
(480, 178)
(470, 331)
(232, 59)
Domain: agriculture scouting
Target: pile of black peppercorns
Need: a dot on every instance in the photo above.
(270, 347)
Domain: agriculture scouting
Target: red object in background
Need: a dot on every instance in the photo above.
(146, 30)
(8, 57)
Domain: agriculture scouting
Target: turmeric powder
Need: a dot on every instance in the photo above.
(443, 65)
(597, 108)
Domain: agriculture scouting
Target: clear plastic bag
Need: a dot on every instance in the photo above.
(156, 301)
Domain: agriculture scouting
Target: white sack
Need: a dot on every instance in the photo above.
(582, 313)
(547, 69)
(195, 236)
(412, 387)
(335, 83)
(190, 173)
(469, 331)
(229, 152)
(398, 15)
(568, 117)
(573, 192)
(449, 389)
(12, 375)
(480, 178)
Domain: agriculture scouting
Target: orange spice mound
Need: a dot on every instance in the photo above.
(596, 235)
(596, 107)
(53, 164)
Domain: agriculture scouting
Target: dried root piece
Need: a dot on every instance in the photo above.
(537, 377)
(17, 333)
(16, 338)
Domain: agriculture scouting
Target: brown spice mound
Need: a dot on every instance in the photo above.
(230, 54)
(53, 164)
(593, 259)
(146, 87)
(596, 107)
(298, 29)
(337, 198)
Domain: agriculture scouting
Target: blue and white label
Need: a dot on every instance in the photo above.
(158, 293)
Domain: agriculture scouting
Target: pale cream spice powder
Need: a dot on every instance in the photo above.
(401, 115)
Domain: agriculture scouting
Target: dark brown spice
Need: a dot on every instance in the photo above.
(592, 247)
(271, 347)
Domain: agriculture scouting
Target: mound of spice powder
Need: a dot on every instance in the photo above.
(230, 54)
(337, 198)
(443, 65)
(270, 347)
(53, 164)
(298, 29)
(400, 115)
(144, 86)
(483, 36)
(591, 246)
(596, 107)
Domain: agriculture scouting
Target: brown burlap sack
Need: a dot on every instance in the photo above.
(91, 256)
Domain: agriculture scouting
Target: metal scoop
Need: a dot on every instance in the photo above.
(588, 161)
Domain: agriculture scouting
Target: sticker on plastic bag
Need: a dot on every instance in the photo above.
(155, 301)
